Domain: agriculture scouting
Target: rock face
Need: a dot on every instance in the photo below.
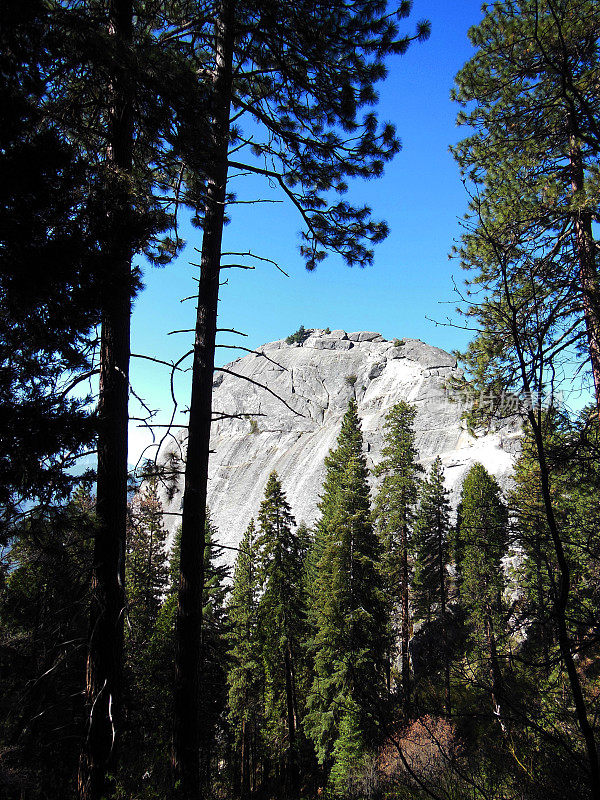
(293, 422)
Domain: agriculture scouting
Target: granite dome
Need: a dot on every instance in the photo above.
(295, 419)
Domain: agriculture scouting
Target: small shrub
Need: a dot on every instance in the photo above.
(298, 337)
(254, 426)
(398, 342)
(327, 330)
(350, 380)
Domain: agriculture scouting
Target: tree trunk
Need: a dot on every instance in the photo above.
(542, 627)
(245, 765)
(442, 574)
(405, 631)
(588, 272)
(564, 643)
(292, 760)
(495, 675)
(187, 722)
(105, 655)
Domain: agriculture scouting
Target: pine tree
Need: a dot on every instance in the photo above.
(43, 623)
(281, 615)
(350, 614)
(348, 751)
(152, 584)
(534, 149)
(49, 274)
(432, 523)
(122, 91)
(533, 156)
(430, 543)
(246, 675)
(146, 584)
(300, 78)
(534, 538)
(572, 447)
(146, 572)
(394, 507)
(349, 446)
(483, 527)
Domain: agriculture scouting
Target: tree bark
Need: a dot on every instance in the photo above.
(105, 655)
(442, 574)
(405, 630)
(245, 763)
(292, 761)
(494, 669)
(187, 722)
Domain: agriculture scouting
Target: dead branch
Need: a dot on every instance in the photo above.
(261, 385)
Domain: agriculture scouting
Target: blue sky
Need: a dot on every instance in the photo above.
(409, 286)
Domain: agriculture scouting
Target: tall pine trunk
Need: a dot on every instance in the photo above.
(187, 722)
(105, 655)
(245, 763)
(442, 574)
(405, 622)
(494, 670)
(585, 250)
(292, 760)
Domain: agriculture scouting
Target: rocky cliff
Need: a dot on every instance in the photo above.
(295, 396)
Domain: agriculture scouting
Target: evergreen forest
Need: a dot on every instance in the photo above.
(408, 643)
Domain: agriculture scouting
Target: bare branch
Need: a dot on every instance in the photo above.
(77, 381)
(255, 352)
(262, 386)
(231, 330)
(169, 364)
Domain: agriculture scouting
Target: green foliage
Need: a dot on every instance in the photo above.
(146, 574)
(430, 545)
(246, 678)
(349, 446)
(215, 660)
(50, 273)
(299, 336)
(43, 625)
(484, 537)
(397, 495)
(281, 620)
(348, 612)
(350, 380)
(572, 446)
(532, 154)
(398, 342)
(483, 531)
(317, 124)
(348, 751)
(152, 583)
(146, 583)
(394, 512)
